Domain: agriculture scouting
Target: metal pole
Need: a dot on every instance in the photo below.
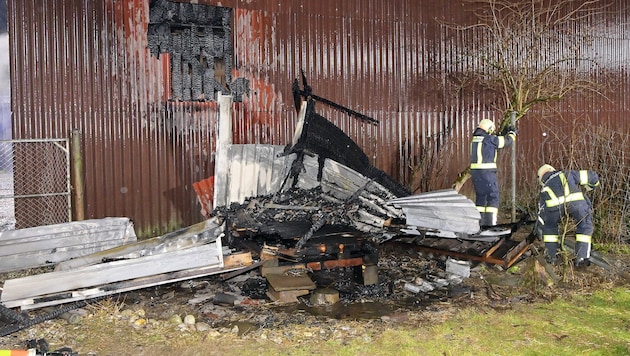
(77, 176)
(513, 123)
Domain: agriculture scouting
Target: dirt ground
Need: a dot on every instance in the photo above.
(239, 306)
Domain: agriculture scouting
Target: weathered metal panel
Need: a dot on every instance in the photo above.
(84, 64)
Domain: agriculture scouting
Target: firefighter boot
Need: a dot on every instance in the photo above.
(582, 254)
(492, 219)
(488, 219)
(552, 252)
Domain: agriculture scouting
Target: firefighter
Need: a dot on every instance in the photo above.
(483, 168)
(561, 194)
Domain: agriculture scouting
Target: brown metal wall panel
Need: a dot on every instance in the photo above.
(85, 64)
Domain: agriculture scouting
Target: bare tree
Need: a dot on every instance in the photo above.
(527, 52)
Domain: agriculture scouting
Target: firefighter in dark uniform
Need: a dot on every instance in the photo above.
(561, 194)
(483, 168)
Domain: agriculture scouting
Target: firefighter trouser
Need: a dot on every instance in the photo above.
(486, 195)
(580, 211)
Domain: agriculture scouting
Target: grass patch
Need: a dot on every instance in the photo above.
(587, 324)
(597, 324)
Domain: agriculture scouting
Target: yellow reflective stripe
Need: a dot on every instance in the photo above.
(478, 140)
(482, 209)
(557, 201)
(483, 165)
(550, 238)
(583, 238)
(490, 209)
(583, 177)
(553, 200)
(501, 141)
(565, 185)
(568, 196)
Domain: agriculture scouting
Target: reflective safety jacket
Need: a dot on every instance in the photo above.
(483, 149)
(563, 187)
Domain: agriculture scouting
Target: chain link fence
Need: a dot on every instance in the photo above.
(34, 183)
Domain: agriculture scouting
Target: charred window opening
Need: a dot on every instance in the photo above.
(198, 39)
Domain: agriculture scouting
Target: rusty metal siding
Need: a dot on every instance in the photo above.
(85, 65)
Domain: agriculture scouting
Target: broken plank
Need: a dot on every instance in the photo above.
(54, 282)
(239, 271)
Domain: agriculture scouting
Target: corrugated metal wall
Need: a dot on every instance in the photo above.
(84, 64)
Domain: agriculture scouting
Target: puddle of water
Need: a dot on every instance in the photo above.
(342, 311)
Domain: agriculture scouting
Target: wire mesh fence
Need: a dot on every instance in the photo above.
(34, 183)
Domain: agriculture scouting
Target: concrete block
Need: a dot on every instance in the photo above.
(460, 268)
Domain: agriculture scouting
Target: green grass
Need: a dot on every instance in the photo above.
(592, 324)
(598, 324)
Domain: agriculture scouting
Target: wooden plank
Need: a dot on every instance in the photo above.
(54, 282)
(515, 253)
(330, 264)
(238, 260)
(460, 255)
(265, 269)
(282, 282)
(494, 248)
(238, 271)
(289, 296)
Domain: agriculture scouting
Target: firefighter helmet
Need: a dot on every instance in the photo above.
(487, 125)
(542, 170)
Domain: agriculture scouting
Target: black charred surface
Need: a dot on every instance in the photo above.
(320, 136)
(466, 247)
(259, 222)
(199, 39)
(336, 242)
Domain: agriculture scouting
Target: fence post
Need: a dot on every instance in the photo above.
(513, 175)
(77, 176)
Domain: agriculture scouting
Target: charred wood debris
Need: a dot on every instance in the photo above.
(304, 239)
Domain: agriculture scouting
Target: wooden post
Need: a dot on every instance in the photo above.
(224, 141)
(513, 123)
(77, 176)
